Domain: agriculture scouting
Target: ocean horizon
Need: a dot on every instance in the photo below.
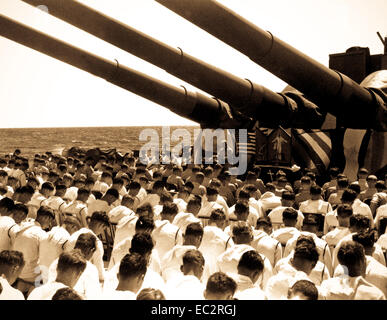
(56, 139)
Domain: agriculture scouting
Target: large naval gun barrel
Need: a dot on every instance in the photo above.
(353, 105)
(250, 99)
(209, 112)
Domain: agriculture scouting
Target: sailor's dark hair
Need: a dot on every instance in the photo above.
(146, 209)
(366, 238)
(359, 221)
(150, 294)
(21, 207)
(170, 209)
(290, 214)
(7, 203)
(252, 261)
(355, 187)
(83, 191)
(217, 215)
(211, 191)
(350, 253)
(158, 185)
(241, 228)
(101, 217)
(66, 293)
(113, 192)
(142, 243)
(45, 211)
(189, 185)
(349, 195)
(264, 221)
(97, 194)
(27, 189)
(241, 207)
(127, 199)
(344, 210)
(306, 251)
(343, 182)
(219, 283)
(60, 186)
(134, 185)
(315, 190)
(132, 265)
(305, 239)
(307, 288)
(288, 195)
(194, 229)
(106, 174)
(193, 257)
(11, 258)
(118, 181)
(86, 243)
(270, 186)
(166, 197)
(73, 260)
(194, 202)
(145, 223)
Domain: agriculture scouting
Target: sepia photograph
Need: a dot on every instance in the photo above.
(199, 152)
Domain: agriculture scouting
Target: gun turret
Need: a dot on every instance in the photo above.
(354, 106)
(250, 99)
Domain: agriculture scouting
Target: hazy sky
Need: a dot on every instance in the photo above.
(39, 91)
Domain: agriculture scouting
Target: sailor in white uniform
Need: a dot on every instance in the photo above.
(376, 273)
(6, 222)
(187, 284)
(351, 285)
(209, 203)
(70, 267)
(358, 224)
(143, 225)
(142, 243)
(165, 233)
(303, 290)
(344, 213)
(11, 265)
(264, 244)
(320, 271)
(242, 238)
(88, 284)
(304, 260)
(310, 228)
(172, 260)
(99, 222)
(184, 218)
(122, 210)
(250, 268)
(289, 218)
(220, 287)
(275, 215)
(131, 273)
(215, 240)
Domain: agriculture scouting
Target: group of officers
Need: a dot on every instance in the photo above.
(72, 228)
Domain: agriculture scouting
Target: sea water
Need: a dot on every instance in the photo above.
(39, 140)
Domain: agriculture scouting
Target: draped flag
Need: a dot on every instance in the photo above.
(316, 144)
